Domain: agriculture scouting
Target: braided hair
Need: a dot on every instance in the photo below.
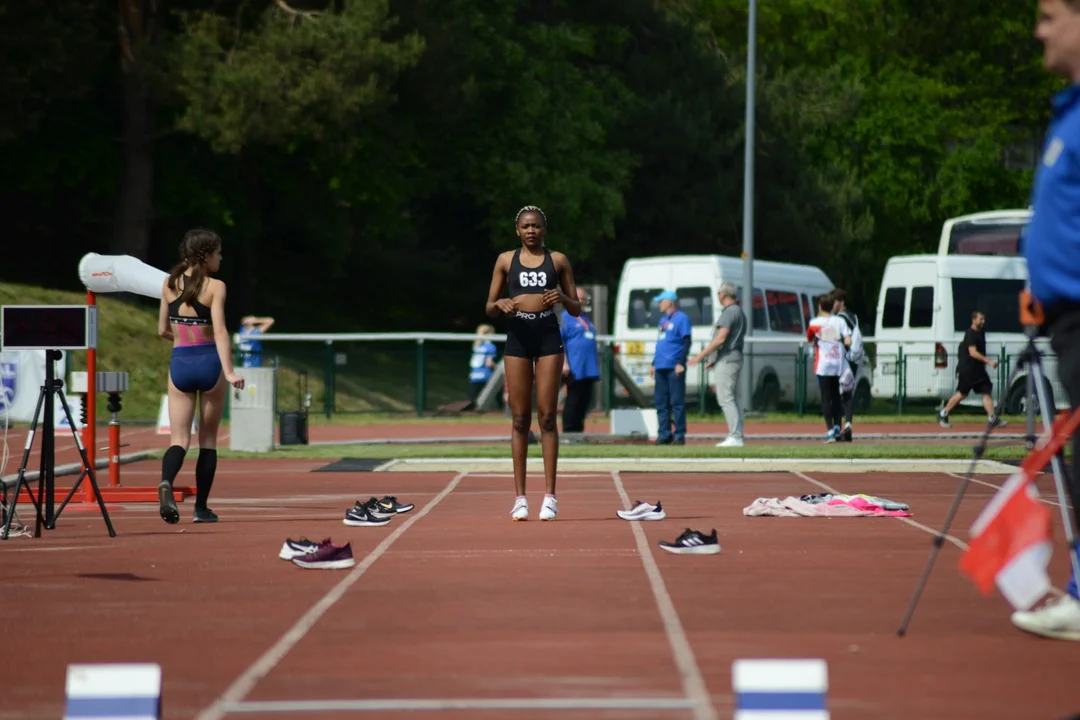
(195, 249)
(530, 208)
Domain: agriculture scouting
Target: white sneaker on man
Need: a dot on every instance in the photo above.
(1059, 618)
(521, 509)
(730, 441)
(549, 509)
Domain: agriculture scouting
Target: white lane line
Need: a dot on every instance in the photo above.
(692, 681)
(244, 684)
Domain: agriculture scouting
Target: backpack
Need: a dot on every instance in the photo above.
(855, 353)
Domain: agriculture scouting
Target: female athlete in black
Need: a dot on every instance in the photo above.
(192, 315)
(537, 279)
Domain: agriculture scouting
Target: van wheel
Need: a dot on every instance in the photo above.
(1016, 401)
(768, 398)
(861, 402)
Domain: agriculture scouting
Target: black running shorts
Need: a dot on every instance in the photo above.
(533, 335)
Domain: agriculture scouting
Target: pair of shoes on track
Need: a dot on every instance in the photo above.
(691, 542)
(171, 514)
(323, 555)
(375, 512)
(549, 509)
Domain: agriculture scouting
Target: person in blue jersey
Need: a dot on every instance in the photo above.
(251, 326)
(668, 370)
(482, 362)
(1051, 246)
(535, 279)
(192, 316)
(581, 368)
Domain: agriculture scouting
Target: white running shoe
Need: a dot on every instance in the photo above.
(1059, 618)
(521, 509)
(731, 442)
(549, 509)
(641, 510)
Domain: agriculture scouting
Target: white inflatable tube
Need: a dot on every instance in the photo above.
(120, 273)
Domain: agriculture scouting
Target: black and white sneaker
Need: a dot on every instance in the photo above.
(389, 503)
(373, 508)
(297, 548)
(641, 510)
(692, 542)
(361, 516)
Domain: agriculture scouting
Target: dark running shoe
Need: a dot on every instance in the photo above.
(166, 504)
(389, 503)
(374, 508)
(327, 557)
(361, 516)
(692, 542)
(296, 548)
(204, 515)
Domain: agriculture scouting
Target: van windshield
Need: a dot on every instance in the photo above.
(696, 302)
(986, 237)
(997, 299)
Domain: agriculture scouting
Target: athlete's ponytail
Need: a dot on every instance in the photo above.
(195, 249)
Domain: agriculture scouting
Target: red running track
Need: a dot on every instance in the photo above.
(454, 601)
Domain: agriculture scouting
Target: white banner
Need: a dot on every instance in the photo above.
(22, 373)
(120, 273)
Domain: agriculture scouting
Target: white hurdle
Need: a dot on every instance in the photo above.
(780, 689)
(113, 692)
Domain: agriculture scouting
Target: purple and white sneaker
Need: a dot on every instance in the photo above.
(296, 548)
(327, 557)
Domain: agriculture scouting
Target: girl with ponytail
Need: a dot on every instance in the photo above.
(192, 316)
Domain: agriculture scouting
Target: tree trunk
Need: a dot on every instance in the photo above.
(134, 206)
(135, 201)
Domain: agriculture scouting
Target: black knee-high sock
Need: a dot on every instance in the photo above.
(205, 467)
(172, 462)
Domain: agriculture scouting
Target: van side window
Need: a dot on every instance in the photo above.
(784, 311)
(807, 315)
(760, 319)
(697, 303)
(643, 312)
(921, 314)
(892, 316)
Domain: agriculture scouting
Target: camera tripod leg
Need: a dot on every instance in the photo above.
(88, 472)
(1058, 465)
(939, 539)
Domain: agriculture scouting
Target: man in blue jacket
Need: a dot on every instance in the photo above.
(1051, 246)
(669, 370)
(581, 368)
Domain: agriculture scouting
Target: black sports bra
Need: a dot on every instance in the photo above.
(532, 281)
(202, 313)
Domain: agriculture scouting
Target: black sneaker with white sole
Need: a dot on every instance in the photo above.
(390, 503)
(692, 542)
(375, 508)
(361, 516)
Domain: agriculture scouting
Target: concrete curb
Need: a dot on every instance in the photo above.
(684, 465)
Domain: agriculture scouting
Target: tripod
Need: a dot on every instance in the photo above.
(47, 476)
(1030, 357)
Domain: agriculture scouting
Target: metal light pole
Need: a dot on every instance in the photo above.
(747, 389)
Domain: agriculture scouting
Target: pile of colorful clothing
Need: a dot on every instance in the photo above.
(827, 505)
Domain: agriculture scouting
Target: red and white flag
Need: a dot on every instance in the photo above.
(1012, 540)
(1011, 544)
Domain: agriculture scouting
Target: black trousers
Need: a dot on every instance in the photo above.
(576, 405)
(831, 407)
(1065, 342)
(847, 399)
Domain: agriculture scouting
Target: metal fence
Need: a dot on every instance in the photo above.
(418, 373)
